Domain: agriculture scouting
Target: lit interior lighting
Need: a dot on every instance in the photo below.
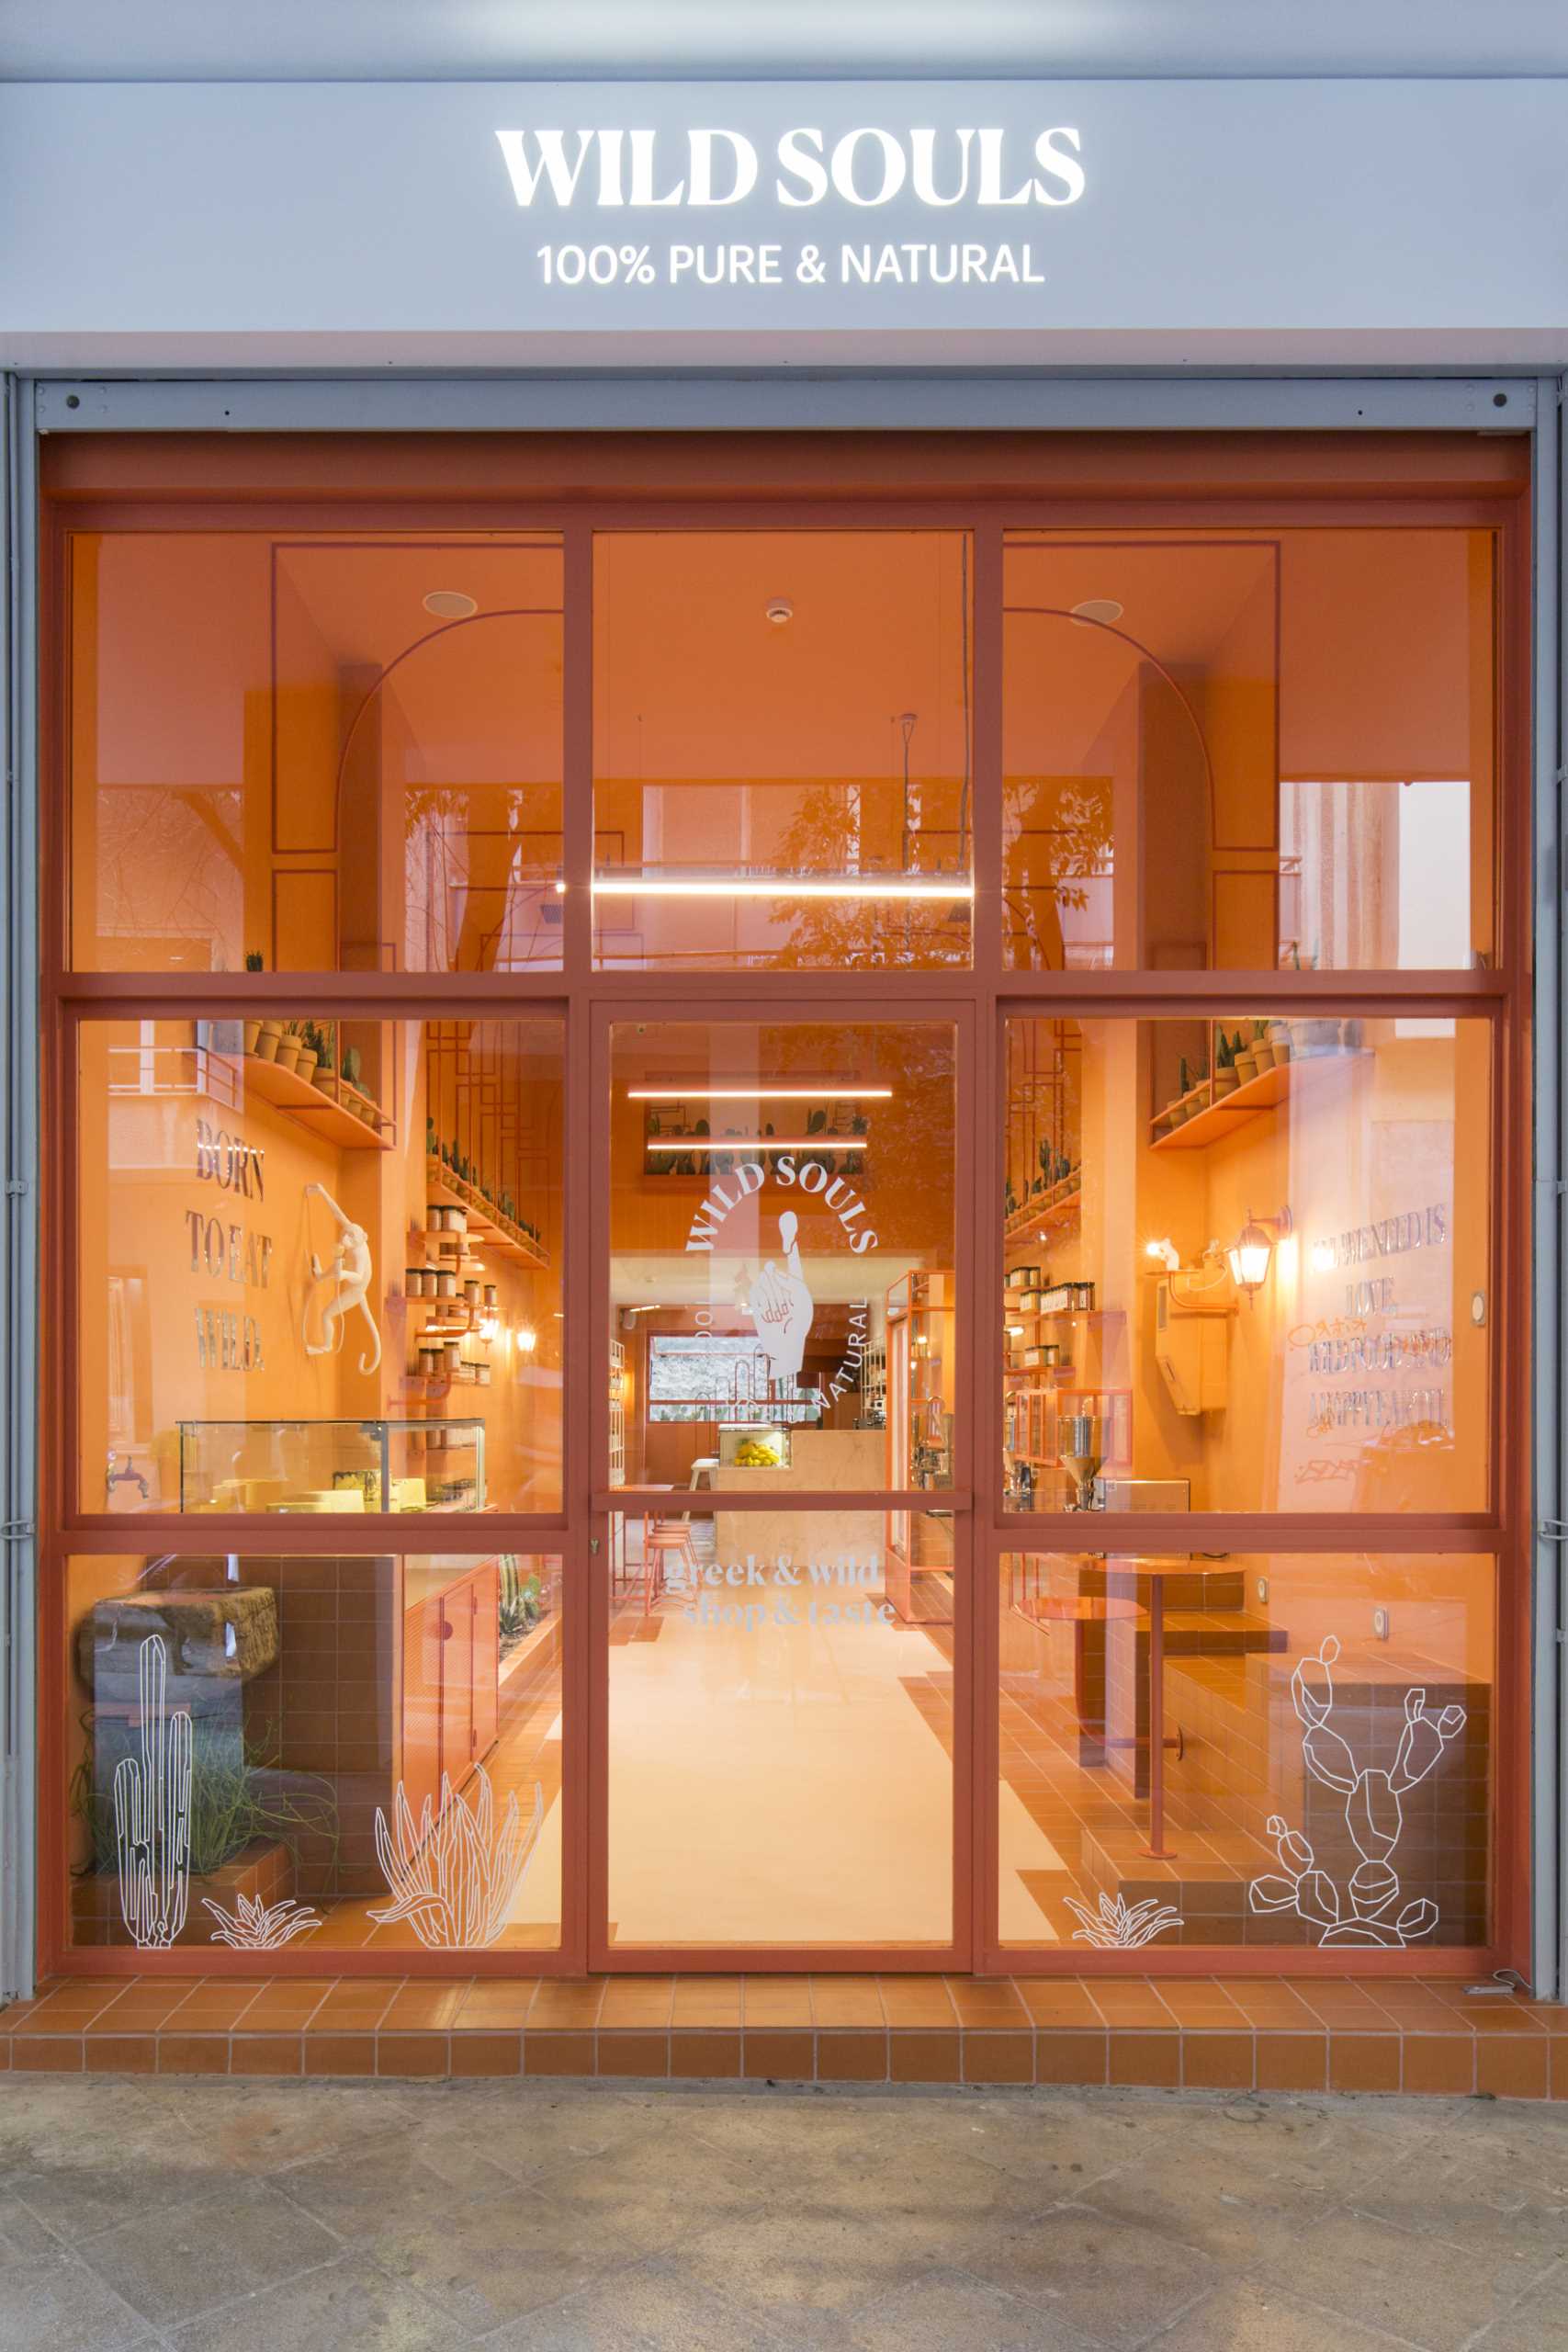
(1323, 1257)
(869, 886)
(710, 1144)
(759, 1093)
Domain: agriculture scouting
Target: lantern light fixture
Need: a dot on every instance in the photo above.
(1251, 1254)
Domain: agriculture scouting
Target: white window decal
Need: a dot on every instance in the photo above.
(1374, 1815)
(255, 1925)
(151, 1810)
(1115, 1927)
(454, 1877)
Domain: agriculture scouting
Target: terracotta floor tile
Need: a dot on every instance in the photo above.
(1272, 2006)
(1125, 2001)
(283, 2006)
(986, 2001)
(192, 2053)
(1340, 2004)
(1198, 2001)
(1057, 2001)
(776, 2001)
(918, 2002)
(136, 2011)
(843, 2002)
(637, 2001)
(494, 2006)
(703, 2001)
(778, 2055)
(213, 2009)
(266, 2054)
(357, 2012)
(429, 2009)
(122, 2054)
(566, 2004)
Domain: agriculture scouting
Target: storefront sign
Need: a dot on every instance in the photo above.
(447, 224)
(780, 1302)
(751, 1593)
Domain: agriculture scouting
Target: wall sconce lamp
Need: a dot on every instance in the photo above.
(1251, 1253)
(527, 1339)
(1165, 1252)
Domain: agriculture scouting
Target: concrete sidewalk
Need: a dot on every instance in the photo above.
(538, 2217)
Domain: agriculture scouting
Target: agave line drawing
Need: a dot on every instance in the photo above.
(1374, 1815)
(1114, 1927)
(255, 1925)
(453, 1873)
(151, 1810)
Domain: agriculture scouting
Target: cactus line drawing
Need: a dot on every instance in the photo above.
(151, 1810)
(1115, 1927)
(255, 1925)
(1374, 1817)
(453, 1874)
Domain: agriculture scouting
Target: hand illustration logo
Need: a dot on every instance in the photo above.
(780, 1305)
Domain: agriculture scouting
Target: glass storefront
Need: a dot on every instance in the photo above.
(871, 1163)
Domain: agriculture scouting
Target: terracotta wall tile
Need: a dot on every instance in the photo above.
(997, 2057)
(1363, 2062)
(1513, 2066)
(486, 2053)
(266, 2054)
(192, 2053)
(630, 2052)
(779, 2055)
(122, 2054)
(1217, 2062)
(1293, 2061)
(340, 2053)
(1070, 2054)
(558, 2053)
(845, 2056)
(924, 2056)
(1145, 2057)
(702, 2056)
(1438, 2062)
(419, 2056)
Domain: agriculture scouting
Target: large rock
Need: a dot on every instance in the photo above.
(213, 1638)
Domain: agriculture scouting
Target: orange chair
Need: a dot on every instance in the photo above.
(664, 1540)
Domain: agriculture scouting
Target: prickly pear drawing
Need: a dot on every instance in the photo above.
(151, 1810)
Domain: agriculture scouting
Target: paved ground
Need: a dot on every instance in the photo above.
(305, 2217)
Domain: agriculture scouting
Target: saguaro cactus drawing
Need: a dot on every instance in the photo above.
(151, 1810)
(453, 1876)
(1374, 1815)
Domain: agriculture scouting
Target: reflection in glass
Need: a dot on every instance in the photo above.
(1247, 1752)
(302, 753)
(1258, 751)
(781, 1241)
(774, 1679)
(1247, 1264)
(782, 747)
(319, 1266)
(348, 1753)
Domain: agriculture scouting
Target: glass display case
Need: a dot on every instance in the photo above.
(332, 1465)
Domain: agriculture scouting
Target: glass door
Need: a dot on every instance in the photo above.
(782, 1611)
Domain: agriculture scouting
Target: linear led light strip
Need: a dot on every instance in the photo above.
(857, 886)
(759, 1093)
(759, 1143)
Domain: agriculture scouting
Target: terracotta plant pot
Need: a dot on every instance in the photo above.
(305, 1066)
(287, 1054)
(1245, 1067)
(269, 1036)
(1280, 1038)
(1225, 1082)
(253, 1031)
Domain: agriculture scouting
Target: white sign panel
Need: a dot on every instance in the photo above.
(536, 224)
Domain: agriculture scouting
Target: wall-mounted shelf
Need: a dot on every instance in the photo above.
(330, 1117)
(486, 1222)
(1035, 1217)
(1264, 1092)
